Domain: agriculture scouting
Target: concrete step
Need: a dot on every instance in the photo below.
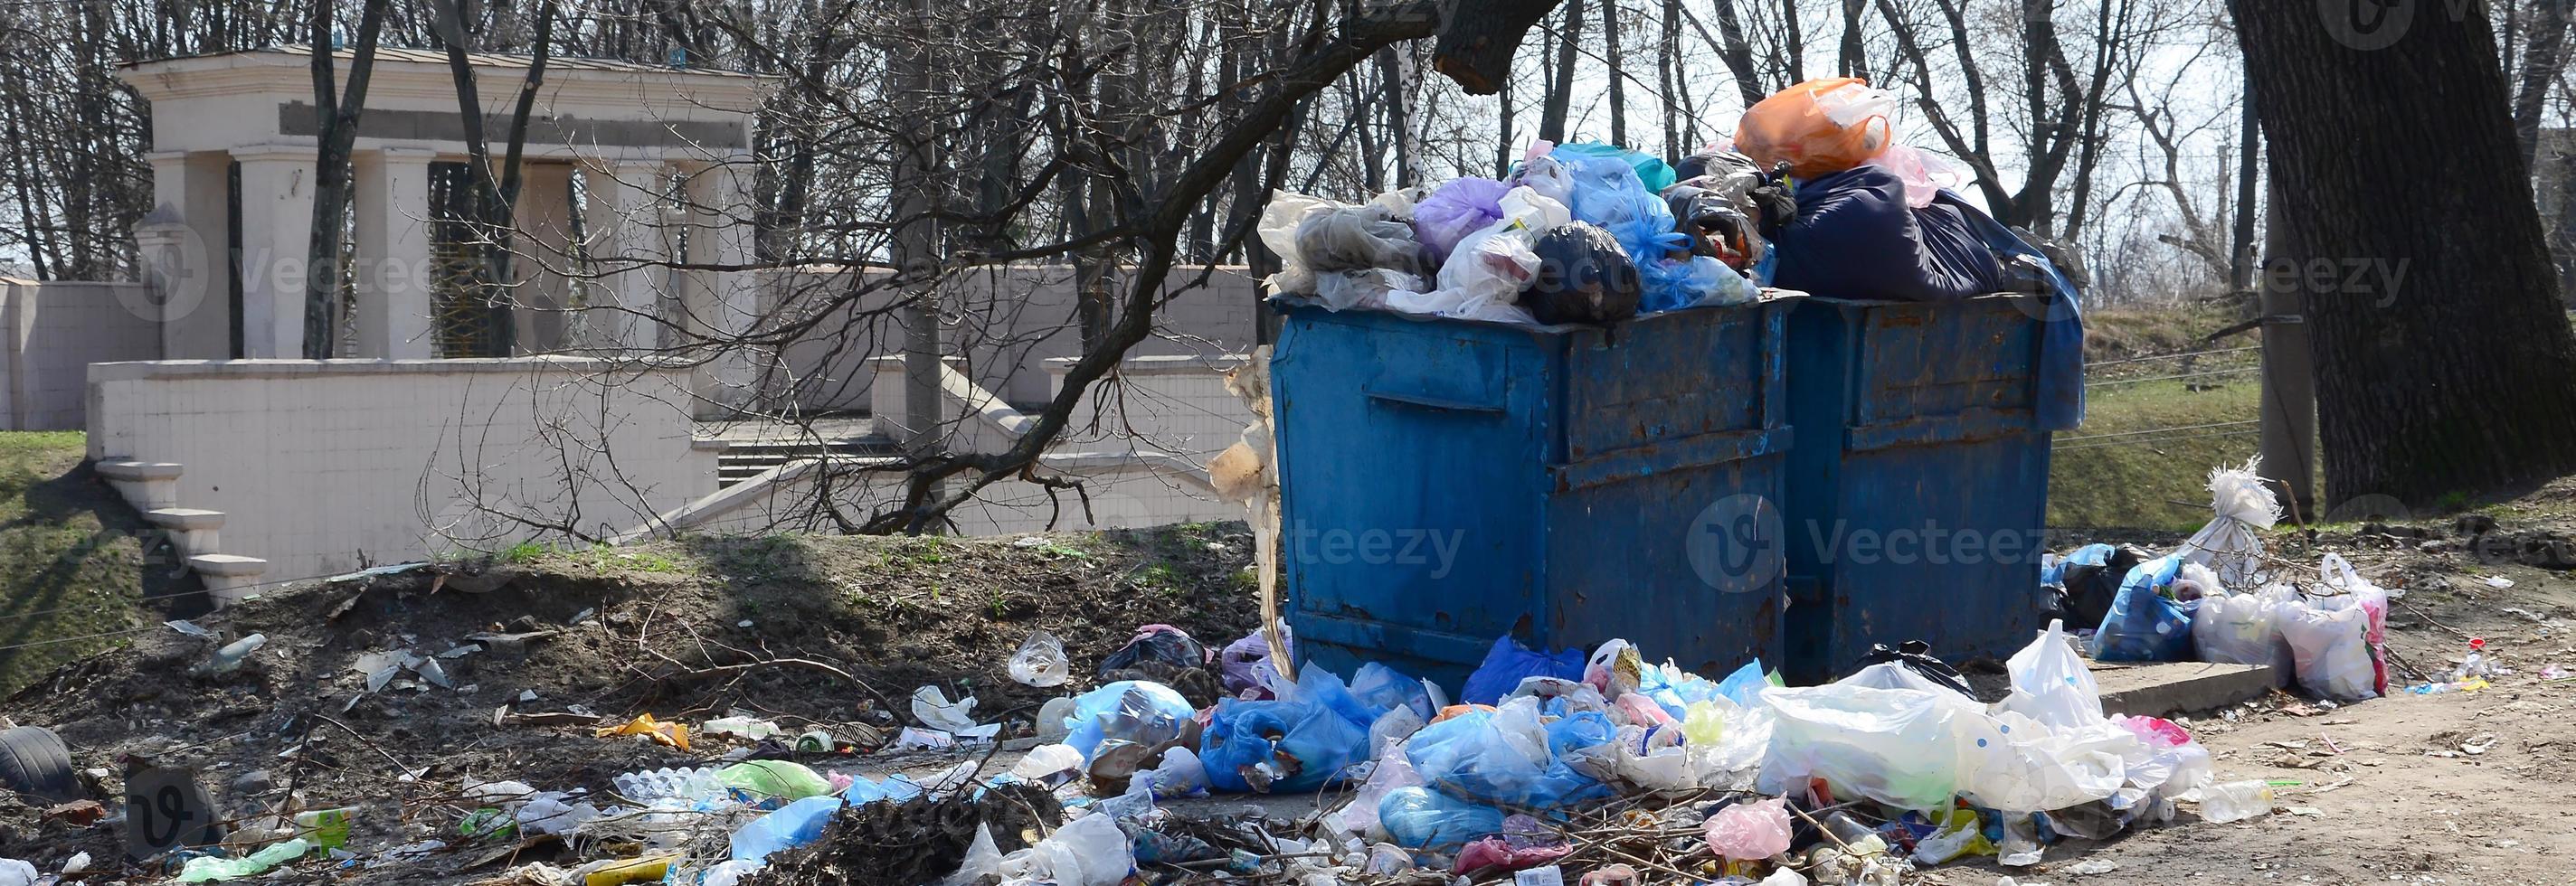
(230, 578)
(147, 485)
(194, 530)
(2157, 690)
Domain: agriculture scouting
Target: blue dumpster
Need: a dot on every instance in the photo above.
(1447, 482)
(1919, 488)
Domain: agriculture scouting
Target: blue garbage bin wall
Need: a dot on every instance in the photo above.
(1446, 482)
(1919, 489)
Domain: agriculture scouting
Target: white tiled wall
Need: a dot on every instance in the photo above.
(321, 466)
(54, 330)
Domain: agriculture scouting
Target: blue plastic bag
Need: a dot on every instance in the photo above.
(1744, 687)
(1383, 688)
(1508, 663)
(1134, 710)
(1651, 170)
(1470, 756)
(2144, 625)
(1582, 730)
(1314, 745)
(793, 825)
(1420, 818)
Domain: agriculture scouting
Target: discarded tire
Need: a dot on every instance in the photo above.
(33, 760)
(1582, 277)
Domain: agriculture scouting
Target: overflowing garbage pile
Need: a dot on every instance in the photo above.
(1816, 193)
(2218, 597)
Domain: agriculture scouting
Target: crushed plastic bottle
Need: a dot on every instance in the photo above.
(683, 784)
(2235, 801)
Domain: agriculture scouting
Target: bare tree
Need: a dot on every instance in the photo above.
(336, 114)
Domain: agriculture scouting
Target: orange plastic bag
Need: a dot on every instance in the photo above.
(1819, 127)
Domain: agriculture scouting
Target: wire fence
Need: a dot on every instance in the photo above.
(2175, 433)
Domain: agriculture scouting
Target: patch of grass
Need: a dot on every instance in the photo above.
(524, 553)
(2151, 480)
(78, 567)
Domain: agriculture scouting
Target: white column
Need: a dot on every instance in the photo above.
(276, 230)
(623, 216)
(722, 304)
(393, 274)
(183, 243)
(543, 247)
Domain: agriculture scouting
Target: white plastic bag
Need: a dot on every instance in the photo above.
(2244, 629)
(1909, 749)
(1484, 276)
(2330, 641)
(1040, 661)
(2050, 683)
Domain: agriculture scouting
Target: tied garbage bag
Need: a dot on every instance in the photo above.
(2050, 683)
(1500, 756)
(2373, 600)
(1583, 277)
(1420, 818)
(2144, 625)
(1278, 746)
(1149, 714)
(1040, 661)
(1750, 831)
(1854, 237)
(2330, 643)
(2241, 504)
(1508, 663)
(2244, 629)
(1819, 127)
(1455, 210)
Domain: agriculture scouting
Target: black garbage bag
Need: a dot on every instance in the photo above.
(1917, 656)
(2091, 588)
(1156, 644)
(1855, 237)
(1583, 277)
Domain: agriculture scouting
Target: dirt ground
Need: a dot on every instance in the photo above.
(2460, 788)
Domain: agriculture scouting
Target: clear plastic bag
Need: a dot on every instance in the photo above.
(1909, 749)
(2244, 629)
(1040, 661)
(1484, 276)
(1422, 818)
(1244, 662)
(1149, 714)
(2240, 504)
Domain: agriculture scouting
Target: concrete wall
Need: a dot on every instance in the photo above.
(322, 464)
(49, 334)
(1014, 319)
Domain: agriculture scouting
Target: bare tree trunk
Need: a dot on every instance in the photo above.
(2542, 62)
(1668, 45)
(2249, 168)
(1503, 135)
(1854, 59)
(2464, 385)
(1611, 55)
(336, 118)
(1738, 55)
(496, 191)
(1793, 32)
(1560, 92)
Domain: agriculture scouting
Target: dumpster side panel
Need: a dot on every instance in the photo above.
(1622, 566)
(1408, 534)
(1925, 522)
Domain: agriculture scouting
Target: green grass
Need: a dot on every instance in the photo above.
(2150, 481)
(75, 561)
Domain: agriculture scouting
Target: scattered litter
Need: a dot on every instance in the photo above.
(189, 628)
(667, 734)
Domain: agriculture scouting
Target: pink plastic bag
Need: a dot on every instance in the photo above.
(1750, 831)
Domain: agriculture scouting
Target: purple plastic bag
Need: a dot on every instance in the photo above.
(1245, 663)
(1455, 210)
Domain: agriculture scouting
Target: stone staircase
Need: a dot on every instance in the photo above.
(745, 460)
(153, 488)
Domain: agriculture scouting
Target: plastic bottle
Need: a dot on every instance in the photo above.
(2476, 665)
(206, 868)
(2235, 801)
(230, 658)
(687, 784)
